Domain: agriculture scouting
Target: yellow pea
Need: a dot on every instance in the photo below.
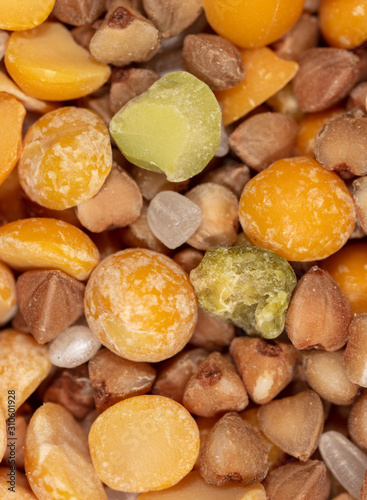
(141, 305)
(144, 443)
(23, 365)
(265, 74)
(57, 460)
(31, 103)
(66, 158)
(8, 299)
(47, 63)
(24, 14)
(12, 114)
(48, 243)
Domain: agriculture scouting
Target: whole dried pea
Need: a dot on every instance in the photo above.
(247, 285)
(294, 424)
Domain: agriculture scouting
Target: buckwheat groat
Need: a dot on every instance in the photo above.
(172, 16)
(214, 60)
(117, 204)
(78, 12)
(219, 216)
(326, 374)
(176, 372)
(264, 138)
(114, 378)
(327, 326)
(233, 452)
(294, 423)
(266, 367)
(215, 388)
(125, 36)
(299, 480)
(49, 301)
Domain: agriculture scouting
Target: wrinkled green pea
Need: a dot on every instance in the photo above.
(250, 286)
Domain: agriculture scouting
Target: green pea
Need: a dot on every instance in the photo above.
(250, 286)
(174, 127)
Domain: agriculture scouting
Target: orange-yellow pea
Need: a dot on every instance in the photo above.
(252, 23)
(48, 243)
(23, 490)
(24, 364)
(8, 299)
(144, 443)
(309, 126)
(12, 114)
(298, 209)
(348, 268)
(66, 158)
(57, 460)
(47, 63)
(24, 14)
(30, 103)
(265, 74)
(343, 22)
(141, 305)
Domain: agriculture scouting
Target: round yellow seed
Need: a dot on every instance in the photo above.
(145, 443)
(66, 158)
(141, 305)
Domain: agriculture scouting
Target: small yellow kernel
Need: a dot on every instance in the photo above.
(265, 74)
(144, 443)
(23, 365)
(12, 114)
(66, 158)
(48, 243)
(24, 14)
(47, 63)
